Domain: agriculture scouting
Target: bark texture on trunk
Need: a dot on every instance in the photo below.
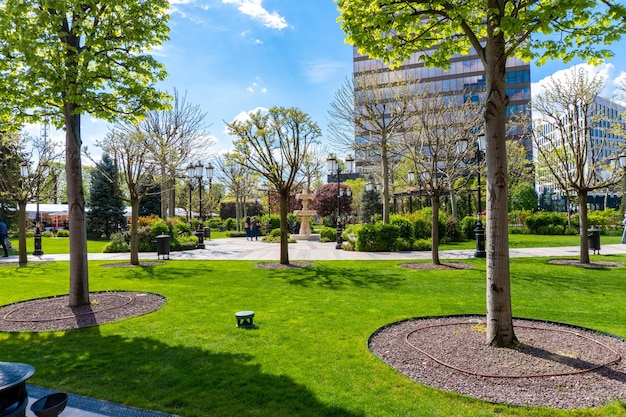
(79, 273)
(498, 287)
(435, 229)
(284, 228)
(584, 225)
(134, 232)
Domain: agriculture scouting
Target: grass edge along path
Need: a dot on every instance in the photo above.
(308, 356)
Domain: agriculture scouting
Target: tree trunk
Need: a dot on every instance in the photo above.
(499, 312)
(134, 232)
(284, 228)
(172, 198)
(435, 229)
(385, 161)
(584, 225)
(23, 256)
(79, 273)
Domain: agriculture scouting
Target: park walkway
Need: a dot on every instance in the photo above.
(242, 249)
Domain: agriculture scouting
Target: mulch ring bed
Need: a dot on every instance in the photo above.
(593, 264)
(553, 365)
(277, 265)
(444, 266)
(53, 313)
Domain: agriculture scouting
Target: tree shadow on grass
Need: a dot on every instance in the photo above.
(337, 279)
(148, 374)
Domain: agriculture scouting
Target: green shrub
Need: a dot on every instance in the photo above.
(468, 225)
(403, 244)
(214, 223)
(453, 230)
(159, 227)
(422, 245)
(328, 234)
(185, 243)
(118, 244)
(421, 228)
(231, 224)
(63, 233)
(377, 237)
(182, 229)
(550, 223)
(47, 234)
(405, 226)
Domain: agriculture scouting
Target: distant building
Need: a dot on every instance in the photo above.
(465, 80)
(602, 134)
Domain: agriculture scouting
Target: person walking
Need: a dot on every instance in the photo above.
(255, 228)
(248, 230)
(4, 233)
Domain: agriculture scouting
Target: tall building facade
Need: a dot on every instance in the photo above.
(465, 80)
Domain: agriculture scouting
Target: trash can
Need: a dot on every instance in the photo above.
(207, 233)
(593, 237)
(163, 246)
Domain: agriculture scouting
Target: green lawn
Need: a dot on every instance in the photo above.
(308, 357)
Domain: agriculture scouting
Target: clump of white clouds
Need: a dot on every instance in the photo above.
(255, 9)
(255, 86)
(607, 71)
(244, 116)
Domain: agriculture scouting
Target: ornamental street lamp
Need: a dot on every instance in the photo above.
(334, 169)
(480, 146)
(197, 172)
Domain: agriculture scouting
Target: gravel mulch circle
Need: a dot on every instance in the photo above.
(593, 264)
(554, 365)
(445, 266)
(49, 314)
(277, 265)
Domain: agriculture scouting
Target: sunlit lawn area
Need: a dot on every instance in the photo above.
(308, 356)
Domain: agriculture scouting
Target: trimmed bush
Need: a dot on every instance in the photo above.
(63, 233)
(468, 225)
(422, 245)
(377, 238)
(117, 244)
(546, 223)
(328, 234)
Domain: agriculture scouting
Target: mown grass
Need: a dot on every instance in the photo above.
(308, 356)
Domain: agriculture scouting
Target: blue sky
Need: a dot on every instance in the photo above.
(234, 56)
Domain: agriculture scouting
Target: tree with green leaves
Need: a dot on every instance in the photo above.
(64, 59)
(106, 211)
(393, 30)
(275, 144)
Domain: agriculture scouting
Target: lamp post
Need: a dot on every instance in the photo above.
(334, 169)
(197, 172)
(209, 175)
(479, 231)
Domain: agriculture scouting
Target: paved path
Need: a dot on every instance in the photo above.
(241, 249)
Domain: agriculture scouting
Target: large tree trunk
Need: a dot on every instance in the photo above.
(435, 229)
(134, 232)
(584, 225)
(23, 256)
(499, 312)
(79, 273)
(284, 228)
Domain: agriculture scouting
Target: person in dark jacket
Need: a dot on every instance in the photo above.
(4, 233)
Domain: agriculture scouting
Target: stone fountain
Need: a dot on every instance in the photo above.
(305, 214)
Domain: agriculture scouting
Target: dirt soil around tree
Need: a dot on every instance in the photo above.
(553, 365)
(53, 313)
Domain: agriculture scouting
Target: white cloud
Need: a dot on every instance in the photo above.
(245, 115)
(256, 11)
(606, 71)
